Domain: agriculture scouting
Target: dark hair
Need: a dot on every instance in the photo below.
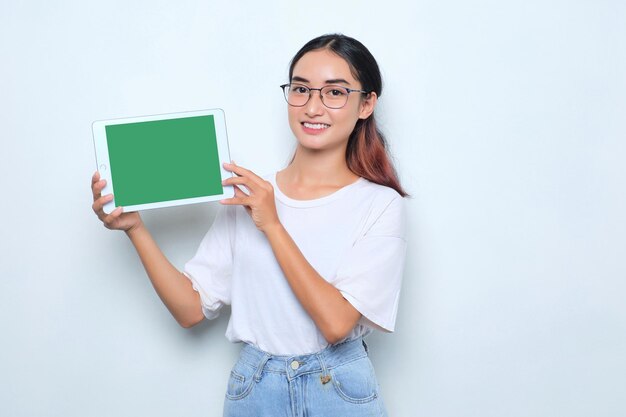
(366, 154)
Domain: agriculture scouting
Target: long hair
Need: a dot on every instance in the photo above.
(367, 152)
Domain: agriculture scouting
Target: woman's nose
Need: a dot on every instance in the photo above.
(315, 106)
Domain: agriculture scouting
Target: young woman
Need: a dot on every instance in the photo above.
(309, 258)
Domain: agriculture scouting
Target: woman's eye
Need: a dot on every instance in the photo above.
(335, 92)
(298, 89)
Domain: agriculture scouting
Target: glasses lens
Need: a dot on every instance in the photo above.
(296, 94)
(334, 96)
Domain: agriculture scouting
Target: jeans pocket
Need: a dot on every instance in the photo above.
(241, 381)
(355, 381)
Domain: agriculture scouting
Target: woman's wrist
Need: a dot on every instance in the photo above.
(134, 229)
(273, 229)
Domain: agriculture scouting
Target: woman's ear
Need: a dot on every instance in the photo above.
(368, 105)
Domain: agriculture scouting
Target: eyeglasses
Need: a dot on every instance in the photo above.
(333, 96)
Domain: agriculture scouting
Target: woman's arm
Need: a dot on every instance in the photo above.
(174, 289)
(331, 312)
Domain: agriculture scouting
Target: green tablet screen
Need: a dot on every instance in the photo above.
(164, 160)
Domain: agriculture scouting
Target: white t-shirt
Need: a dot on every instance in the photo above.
(354, 238)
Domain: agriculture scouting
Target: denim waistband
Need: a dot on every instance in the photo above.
(294, 366)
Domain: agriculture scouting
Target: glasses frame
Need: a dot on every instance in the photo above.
(348, 90)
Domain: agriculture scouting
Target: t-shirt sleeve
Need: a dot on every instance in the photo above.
(210, 269)
(370, 276)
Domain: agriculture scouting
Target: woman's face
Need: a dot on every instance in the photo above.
(316, 126)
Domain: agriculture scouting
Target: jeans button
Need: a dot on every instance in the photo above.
(295, 365)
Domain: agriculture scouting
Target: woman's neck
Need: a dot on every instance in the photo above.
(313, 174)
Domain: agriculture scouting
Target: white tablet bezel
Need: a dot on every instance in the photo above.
(103, 165)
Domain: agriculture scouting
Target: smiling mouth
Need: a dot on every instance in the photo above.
(316, 126)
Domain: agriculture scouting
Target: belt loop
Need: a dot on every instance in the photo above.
(365, 346)
(325, 378)
(259, 371)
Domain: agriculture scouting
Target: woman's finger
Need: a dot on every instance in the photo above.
(240, 194)
(242, 172)
(242, 201)
(99, 203)
(245, 181)
(95, 178)
(235, 180)
(111, 218)
(239, 198)
(97, 188)
(255, 182)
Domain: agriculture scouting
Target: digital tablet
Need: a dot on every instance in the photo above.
(163, 160)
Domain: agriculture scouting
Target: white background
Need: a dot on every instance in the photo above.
(507, 121)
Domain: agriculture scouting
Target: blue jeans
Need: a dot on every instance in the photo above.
(337, 381)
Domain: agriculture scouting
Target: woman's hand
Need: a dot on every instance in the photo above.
(259, 203)
(117, 220)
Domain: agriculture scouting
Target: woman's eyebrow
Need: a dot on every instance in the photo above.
(299, 79)
(296, 78)
(337, 81)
